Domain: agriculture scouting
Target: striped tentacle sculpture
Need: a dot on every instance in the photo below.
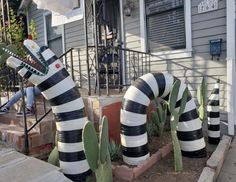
(57, 86)
(213, 115)
(133, 118)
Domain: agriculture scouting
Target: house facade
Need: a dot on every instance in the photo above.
(189, 39)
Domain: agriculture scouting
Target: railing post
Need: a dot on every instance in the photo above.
(72, 65)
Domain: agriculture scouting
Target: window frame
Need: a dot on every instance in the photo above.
(169, 54)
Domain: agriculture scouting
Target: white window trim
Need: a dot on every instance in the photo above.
(173, 54)
(45, 31)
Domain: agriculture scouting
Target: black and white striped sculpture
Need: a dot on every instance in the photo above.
(133, 118)
(213, 115)
(57, 86)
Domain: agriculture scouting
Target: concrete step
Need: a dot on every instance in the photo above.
(20, 168)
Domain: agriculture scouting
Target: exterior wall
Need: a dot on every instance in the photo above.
(37, 16)
(205, 27)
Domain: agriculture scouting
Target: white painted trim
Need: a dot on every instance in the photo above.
(122, 34)
(231, 75)
(143, 26)
(45, 28)
(63, 38)
(183, 53)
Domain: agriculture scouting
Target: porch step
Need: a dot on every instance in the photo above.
(41, 138)
(20, 168)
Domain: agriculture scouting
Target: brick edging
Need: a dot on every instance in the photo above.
(215, 162)
(125, 172)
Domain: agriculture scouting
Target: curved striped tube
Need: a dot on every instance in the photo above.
(134, 118)
(59, 89)
(213, 115)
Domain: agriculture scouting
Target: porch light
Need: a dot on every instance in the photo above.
(128, 7)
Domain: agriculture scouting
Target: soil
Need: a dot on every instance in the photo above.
(163, 170)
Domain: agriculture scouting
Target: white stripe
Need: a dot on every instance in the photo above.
(214, 97)
(136, 95)
(190, 105)
(181, 90)
(213, 121)
(76, 124)
(151, 81)
(169, 84)
(52, 70)
(70, 147)
(70, 106)
(213, 108)
(132, 119)
(192, 145)
(47, 54)
(59, 88)
(133, 141)
(192, 125)
(213, 134)
(135, 160)
(77, 167)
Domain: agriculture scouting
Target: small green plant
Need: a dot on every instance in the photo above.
(175, 114)
(159, 116)
(202, 100)
(150, 130)
(114, 150)
(32, 29)
(97, 154)
(54, 155)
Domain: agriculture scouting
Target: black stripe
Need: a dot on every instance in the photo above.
(188, 116)
(144, 87)
(53, 80)
(134, 107)
(161, 82)
(190, 135)
(214, 127)
(71, 115)
(166, 98)
(27, 75)
(211, 114)
(71, 156)
(133, 130)
(79, 177)
(195, 154)
(215, 91)
(73, 136)
(179, 101)
(52, 59)
(213, 140)
(65, 97)
(135, 151)
(213, 103)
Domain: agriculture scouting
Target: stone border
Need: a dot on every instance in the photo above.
(130, 173)
(215, 162)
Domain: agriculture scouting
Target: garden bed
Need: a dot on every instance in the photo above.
(160, 165)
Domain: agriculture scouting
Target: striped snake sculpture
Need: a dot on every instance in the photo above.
(134, 118)
(47, 72)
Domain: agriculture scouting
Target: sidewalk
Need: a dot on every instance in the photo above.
(228, 171)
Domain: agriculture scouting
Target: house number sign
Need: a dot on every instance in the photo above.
(207, 5)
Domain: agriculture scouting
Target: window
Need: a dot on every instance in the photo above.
(165, 22)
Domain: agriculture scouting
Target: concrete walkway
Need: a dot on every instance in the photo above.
(228, 170)
(17, 167)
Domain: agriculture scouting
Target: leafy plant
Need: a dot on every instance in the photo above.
(114, 150)
(54, 155)
(97, 153)
(202, 100)
(159, 116)
(32, 29)
(150, 130)
(175, 114)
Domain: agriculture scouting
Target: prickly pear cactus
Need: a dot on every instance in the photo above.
(202, 100)
(97, 153)
(175, 114)
(159, 117)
